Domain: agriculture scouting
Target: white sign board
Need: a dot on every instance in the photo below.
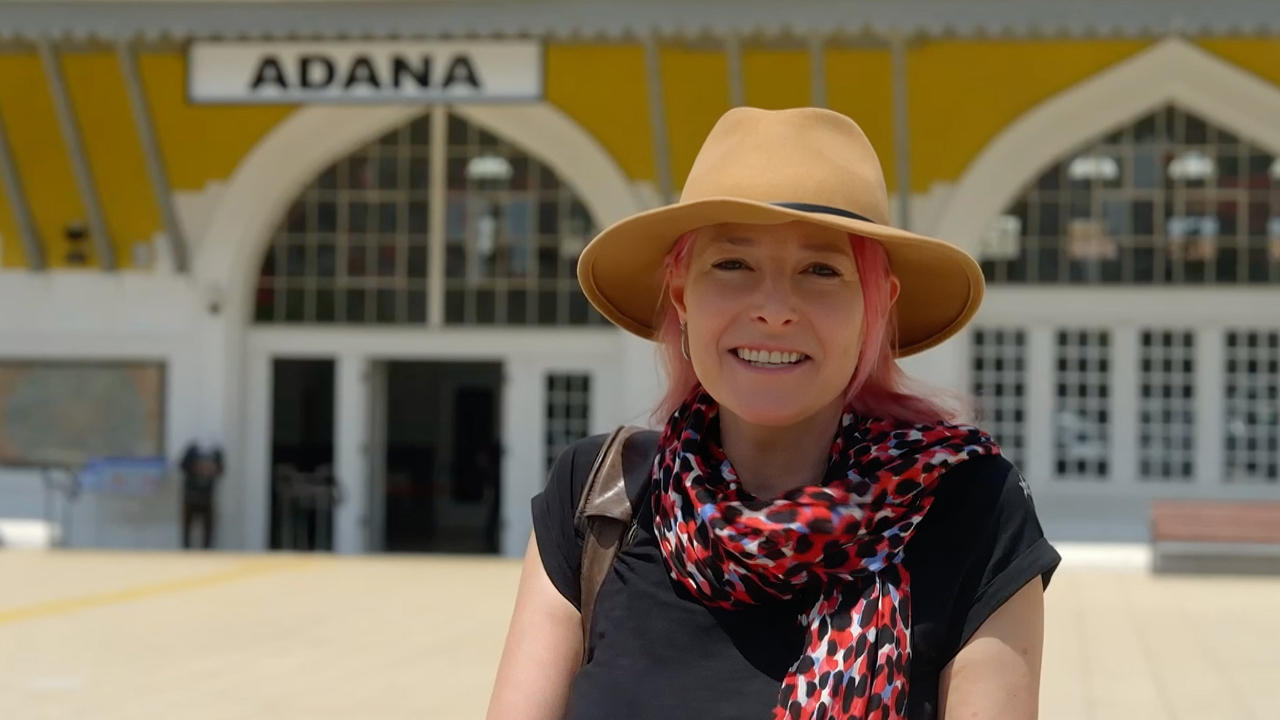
(343, 72)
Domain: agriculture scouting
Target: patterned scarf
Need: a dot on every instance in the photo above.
(843, 537)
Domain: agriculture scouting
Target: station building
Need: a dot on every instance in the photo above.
(343, 235)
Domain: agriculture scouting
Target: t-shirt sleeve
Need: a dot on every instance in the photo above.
(1012, 549)
(559, 541)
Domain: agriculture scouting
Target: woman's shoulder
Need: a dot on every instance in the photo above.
(572, 467)
(987, 485)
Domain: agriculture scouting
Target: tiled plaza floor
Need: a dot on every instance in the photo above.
(143, 636)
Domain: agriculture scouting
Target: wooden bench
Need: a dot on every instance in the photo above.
(1213, 536)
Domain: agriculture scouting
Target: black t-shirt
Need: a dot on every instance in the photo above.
(658, 654)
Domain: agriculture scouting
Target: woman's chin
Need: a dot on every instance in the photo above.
(763, 413)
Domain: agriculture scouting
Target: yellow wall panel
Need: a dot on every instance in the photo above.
(1258, 55)
(602, 87)
(200, 143)
(111, 141)
(963, 94)
(860, 85)
(41, 155)
(12, 252)
(774, 79)
(695, 84)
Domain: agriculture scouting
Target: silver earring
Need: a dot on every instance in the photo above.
(684, 342)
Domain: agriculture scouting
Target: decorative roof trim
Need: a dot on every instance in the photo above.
(168, 20)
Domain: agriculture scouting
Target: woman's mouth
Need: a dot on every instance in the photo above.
(770, 359)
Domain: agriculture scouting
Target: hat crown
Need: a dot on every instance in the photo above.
(807, 155)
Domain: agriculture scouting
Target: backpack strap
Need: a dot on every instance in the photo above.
(605, 513)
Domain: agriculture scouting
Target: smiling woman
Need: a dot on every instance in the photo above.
(817, 535)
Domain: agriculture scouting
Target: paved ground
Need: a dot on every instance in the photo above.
(175, 636)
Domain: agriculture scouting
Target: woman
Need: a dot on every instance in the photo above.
(818, 541)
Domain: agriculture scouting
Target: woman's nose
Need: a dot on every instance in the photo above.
(775, 302)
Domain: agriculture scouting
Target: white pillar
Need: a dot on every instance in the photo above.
(254, 476)
(351, 424)
(523, 466)
(1125, 386)
(641, 381)
(1210, 376)
(944, 366)
(1042, 372)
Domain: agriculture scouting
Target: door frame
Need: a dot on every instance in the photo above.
(527, 355)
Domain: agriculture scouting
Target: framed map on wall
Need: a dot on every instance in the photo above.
(68, 412)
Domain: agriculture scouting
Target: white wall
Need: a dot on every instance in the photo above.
(120, 316)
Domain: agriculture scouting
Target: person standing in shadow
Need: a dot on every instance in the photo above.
(201, 469)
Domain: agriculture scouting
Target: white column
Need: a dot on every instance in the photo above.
(1123, 406)
(255, 486)
(1041, 377)
(1210, 378)
(523, 467)
(945, 366)
(351, 448)
(641, 382)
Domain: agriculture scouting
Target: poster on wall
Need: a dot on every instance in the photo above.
(69, 413)
(356, 71)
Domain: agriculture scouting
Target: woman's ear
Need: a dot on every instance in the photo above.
(895, 287)
(675, 291)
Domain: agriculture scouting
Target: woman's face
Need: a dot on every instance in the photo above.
(774, 318)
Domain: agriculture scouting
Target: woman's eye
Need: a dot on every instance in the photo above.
(824, 270)
(729, 265)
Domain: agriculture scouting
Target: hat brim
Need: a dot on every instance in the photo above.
(620, 270)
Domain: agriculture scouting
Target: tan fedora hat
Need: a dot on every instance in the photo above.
(774, 166)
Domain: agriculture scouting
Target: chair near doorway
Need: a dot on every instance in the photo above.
(307, 501)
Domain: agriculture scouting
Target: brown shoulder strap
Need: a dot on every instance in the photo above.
(605, 511)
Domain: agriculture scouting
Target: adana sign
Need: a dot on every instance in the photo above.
(418, 72)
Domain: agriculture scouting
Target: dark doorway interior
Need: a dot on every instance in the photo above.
(303, 490)
(442, 457)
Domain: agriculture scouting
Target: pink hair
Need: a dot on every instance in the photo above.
(878, 387)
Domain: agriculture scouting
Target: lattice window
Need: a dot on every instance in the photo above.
(999, 384)
(1252, 427)
(1169, 199)
(512, 238)
(1082, 422)
(355, 245)
(1167, 411)
(568, 411)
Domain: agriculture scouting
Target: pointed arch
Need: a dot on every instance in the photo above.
(1172, 71)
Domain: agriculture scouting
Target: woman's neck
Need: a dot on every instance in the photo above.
(772, 460)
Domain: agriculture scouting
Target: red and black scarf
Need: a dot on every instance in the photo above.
(843, 537)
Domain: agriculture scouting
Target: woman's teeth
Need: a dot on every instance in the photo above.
(768, 358)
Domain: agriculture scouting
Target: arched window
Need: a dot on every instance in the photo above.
(356, 245)
(1169, 199)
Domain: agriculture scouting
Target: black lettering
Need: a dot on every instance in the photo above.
(362, 73)
(269, 72)
(461, 70)
(401, 67)
(307, 64)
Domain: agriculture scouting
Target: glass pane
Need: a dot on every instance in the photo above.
(417, 262)
(326, 306)
(386, 306)
(354, 306)
(417, 306)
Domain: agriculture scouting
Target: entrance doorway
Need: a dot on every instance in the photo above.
(303, 488)
(437, 453)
